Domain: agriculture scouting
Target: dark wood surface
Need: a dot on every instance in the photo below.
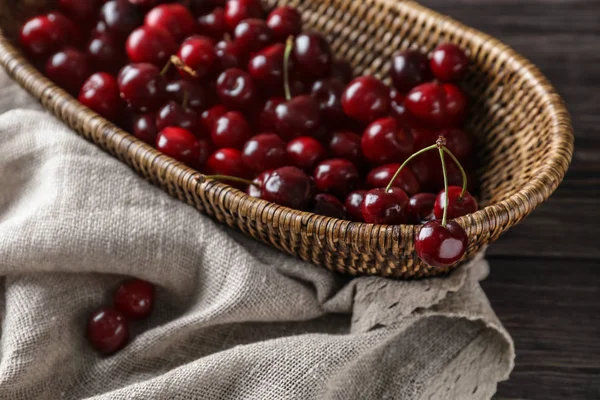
(545, 279)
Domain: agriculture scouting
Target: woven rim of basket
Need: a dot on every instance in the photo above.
(504, 214)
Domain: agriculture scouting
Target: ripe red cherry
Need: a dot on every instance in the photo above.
(101, 94)
(448, 62)
(420, 207)
(259, 181)
(459, 142)
(266, 68)
(409, 69)
(289, 187)
(197, 53)
(144, 127)
(173, 114)
(267, 116)
(312, 55)
(231, 130)
(236, 89)
(385, 141)
(428, 169)
(328, 93)
(69, 69)
(337, 176)
(120, 17)
(387, 208)
(457, 205)
(238, 10)
(456, 105)
(299, 116)
(183, 146)
(381, 176)
(141, 86)
(253, 34)
(328, 206)
(305, 152)
(208, 118)
(284, 22)
(365, 99)
(227, 162)
(212, 23)
(144, 3)
(43, 35)
(82, 11)
(441, 246)
(354, 205)
(438, 105)
(263, 152)
(229, 55)
(345, 144)
(107, 331)
(398, 110)
(342, 71)
(174, 18)
(150, 44)
(194, 93)
(134, 298)
(106, 53)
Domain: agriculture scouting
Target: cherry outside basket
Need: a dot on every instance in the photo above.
(524, 133)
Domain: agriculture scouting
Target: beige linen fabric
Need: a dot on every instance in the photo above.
(234, 319)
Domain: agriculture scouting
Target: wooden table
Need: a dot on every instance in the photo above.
(545, 279)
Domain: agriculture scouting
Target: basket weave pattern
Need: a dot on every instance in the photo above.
(524, 133)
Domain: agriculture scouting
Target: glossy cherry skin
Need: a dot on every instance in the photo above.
(457, 205)
(459, 142)
(69, 69)
(312, 55)
(410, 68)
(101, 94)
(238, 10)
(183, 146)
(150, 44)
(144, 127)
(194, 93)
(420, 207)
(365, 99)
(381, 176)
(106, 53)
(259, 181)
(107, 331)
(208, 118)
(305, 152)
(82, 11)
(264, 152)
(345, 144)
(266, 68)
(253, 34)
(134, 298)
(441, 246)
(43, 35)
(386, 140)
(267, 116)
(387, 208)
(297, 117)
(229, 55)
(173, 114)
(227, 162)
(428, 170)
(449, 62)
(236, 89)
(174, 18)
(337, 176)
(141, 86)
(329, 206)
(289, 187)
(342, 71)
(231, 130)
(328, 93)
(284, 22)
(353, 205)
(438, 105)
(212, 24)
(398, 110)
(120, 17)
(198, 53)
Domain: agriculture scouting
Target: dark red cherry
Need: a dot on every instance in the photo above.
(328, 93)
(420, 207)
(267, 116)
(43, 35)
(259, 181)
(386, 140)
(101, 94)
(212, 23)
(227, 162)
(173, 114)
(82, 11)
(106, 53)
(69, 68)
(229, 55)
(236, 89)
(289, 187)
(144, 3)
(197, 53)
(387, 208)
(345, 144)
(365, 99)
(266, 68)
(208, 118)
(183, 146)
(231, 130)
(342, 71)
(144, 127)
(264, 151)
(398, 110)
(409, 69)
(441, 246)
(354, 205)
(299, 116)
(328, 206)
(107, 331)
(238, 10)
(428, 170)
(253, 34)
(449, 62)
(174, 18)
(150, 44)
(120, 17)
(438, 105)
(284, 22)
(134, 298)
(312, 55)
(457, 205)
(305, 152)
(337, 176)
(141, 86)
(406, 180)
(194, 94)
(456, 106)
(459, 142)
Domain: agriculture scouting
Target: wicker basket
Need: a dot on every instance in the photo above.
(524, 131)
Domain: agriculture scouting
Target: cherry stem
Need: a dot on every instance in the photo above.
(177, 62)
(441, 149)
(186, 97)
(166, 68)
(433, 146)
(203, 178)
(462, 170)
(289, 46)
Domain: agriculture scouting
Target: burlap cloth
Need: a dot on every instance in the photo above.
(234, 319)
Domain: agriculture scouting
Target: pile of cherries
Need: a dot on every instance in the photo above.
(244, 95)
